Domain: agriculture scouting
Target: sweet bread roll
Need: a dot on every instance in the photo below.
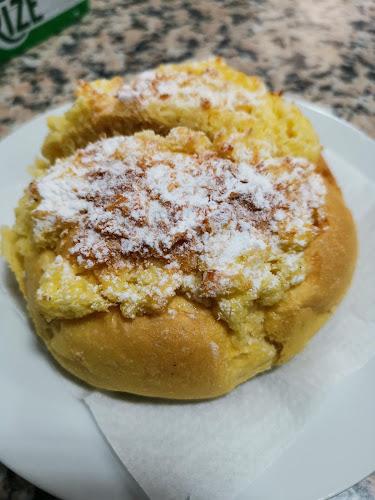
(183, 234)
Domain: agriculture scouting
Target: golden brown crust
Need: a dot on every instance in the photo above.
(331, 258)
(189, 354)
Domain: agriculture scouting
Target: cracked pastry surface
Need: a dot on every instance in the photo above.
(180, 260)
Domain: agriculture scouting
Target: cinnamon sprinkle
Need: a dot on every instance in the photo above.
(138, 198)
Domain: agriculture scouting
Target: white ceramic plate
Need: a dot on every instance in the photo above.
(51, 439)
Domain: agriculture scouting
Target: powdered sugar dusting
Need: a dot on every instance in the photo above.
(190, 90)
(212, 220)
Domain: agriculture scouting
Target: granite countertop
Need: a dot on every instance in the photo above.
(322, 51)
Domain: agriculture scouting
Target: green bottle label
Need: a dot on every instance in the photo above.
(24, 23)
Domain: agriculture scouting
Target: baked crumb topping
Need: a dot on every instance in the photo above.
(211, 97)
(194, 88)
(142, 218)
(219, 211)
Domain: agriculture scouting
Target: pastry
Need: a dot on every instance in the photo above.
(182, 233)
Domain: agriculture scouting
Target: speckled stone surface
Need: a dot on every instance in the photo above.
(321, 50)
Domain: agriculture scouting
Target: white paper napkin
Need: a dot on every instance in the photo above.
(213, 449)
